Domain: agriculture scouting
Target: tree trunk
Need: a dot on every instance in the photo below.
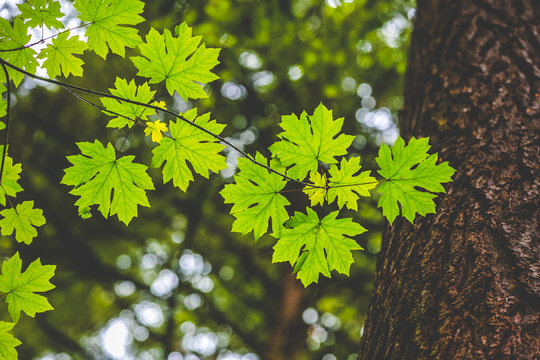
(464, 283)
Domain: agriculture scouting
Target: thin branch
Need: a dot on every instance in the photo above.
(44, 39)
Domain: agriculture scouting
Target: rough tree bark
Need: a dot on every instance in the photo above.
(464, 283)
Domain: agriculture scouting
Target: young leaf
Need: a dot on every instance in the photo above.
(21, 288)
(156, 128)
(129, 91)
(9, 185)
(24, 58)
(42, 13)
(402, 179)
(165, 59)
(105, 18)
(23, 221)
(96, 173)
(189, 144)
(308, 140)
(316, 194)
(8, 342)
(60, 55)
(317, 246)
(256, 199)
(347, 187)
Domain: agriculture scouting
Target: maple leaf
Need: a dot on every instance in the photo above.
(155, 128)
(96, 173)
(256, 199)
(402, 179)
(317, 246)
(9, 185)
(21, 288)
(22, 221)
(317, 193)
(165, 58)
(59, 54)
(189, 144)
(23, 58)
(308, 140)
(345, 186)
(129, 91)
(42, 12)
(8, 342)
(105, 18)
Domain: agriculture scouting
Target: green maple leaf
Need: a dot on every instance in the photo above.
(308, 140)
(22, 221)
(8, 342)
(165, 58)
(3, 103)
(21, 288)
(346, 185)
(256, 199)
(317, 246)
(189, 144)
(406, 168)
(105, 18)
(59, 56)
(96, 173)
(9, 185)
(129, 91)
(42, 12)
(23, 58)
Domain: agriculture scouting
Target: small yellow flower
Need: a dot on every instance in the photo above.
(155, 128)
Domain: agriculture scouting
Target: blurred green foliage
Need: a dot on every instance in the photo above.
(177, 284)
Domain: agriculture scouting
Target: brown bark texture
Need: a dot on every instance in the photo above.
(464, 283)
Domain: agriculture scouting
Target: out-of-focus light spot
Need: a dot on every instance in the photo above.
(359, 142)
(192, 301)
(368, 102)
(348, 84)
(204, 284)
(175, 356)
(248, 137)
(188, 327)
(295, 72)
(191, 357)
(124, 288)
(233, 91)
(318, 334)
(164, 284)
(382, 119)
(329, 357)
(363, 46)
(140, 333)
(239, 122)
(363, 90)
(330, 321)
(115, 338)
(310, 316)
(191, 264)
(333, 3)
(226, 273)
(391, 30)
(123, 262)
(411, 13)
(250, 60)
(203, 343)
(390, 136)
(149, 261)
(250, 356)
(262, 80)
(149, 313)
(178, 237)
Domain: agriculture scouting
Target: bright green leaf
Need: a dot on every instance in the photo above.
(21, 288)
(165, 58)
(256, 199)
(42, 12)
(317, 193)
(116, 185)
(346, 186)
(9, 185)
(23, 58)
(106, 18)
(59, 56)
(131, 91)
(308, 140)
(8, 342)
(23, 221)
(317, 247)
(189, 144)
(407, 168)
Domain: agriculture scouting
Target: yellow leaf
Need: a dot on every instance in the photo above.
(317, 194)
(155, 128)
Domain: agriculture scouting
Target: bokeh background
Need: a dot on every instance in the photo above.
(177, 284)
